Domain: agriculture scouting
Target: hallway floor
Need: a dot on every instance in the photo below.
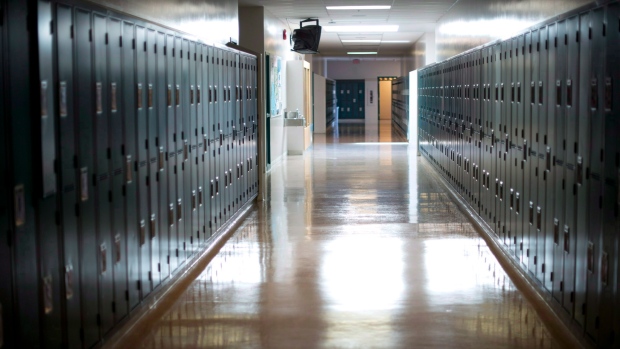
(359, 246)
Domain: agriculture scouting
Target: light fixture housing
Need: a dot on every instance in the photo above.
(353, 8)
(361, 53)
(361, 28)
(360, 41)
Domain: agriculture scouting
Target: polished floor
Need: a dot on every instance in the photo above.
(358, 246)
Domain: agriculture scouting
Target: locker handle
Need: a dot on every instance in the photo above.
(548, 159)
(169, 96)
(210, 94)
(191, 94)
(593, 94)
(200, 198)
(518, 92)
(512, 94)
(566, 239)
(198, 94)
(103, 259)
(501, 191)
(540, 93)
(217, 186)
(205, 143)
(230, 176)
(211, 188)
(171, 214)
(215, 93)
(558, 93)
(531, 213)
(177, 95)
(229, 94)
(68, 282)
(139, 96)
(525, 150)
(238, 171)
(128, 170)
(538, 218)
(150, 96)
(226, 179)
(153, 226)
(579, 170)
(512, 198)
(556, 231)
(179, 210)
(221, 138)
(161, 159)
(142, 232)
(193, 200)
(185, 150)
(569, 93)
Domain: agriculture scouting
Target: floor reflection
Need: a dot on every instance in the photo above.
(359, 246)
(348, 131)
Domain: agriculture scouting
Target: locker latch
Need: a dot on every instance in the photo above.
(103, 258)
(590, 260)
(69, 281)
(566, 239)
(117, 248)
(604, 268)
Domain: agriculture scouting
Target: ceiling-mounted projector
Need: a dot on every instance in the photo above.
(306, 39)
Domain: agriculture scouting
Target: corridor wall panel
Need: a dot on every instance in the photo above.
(112, 131)
(538, 114)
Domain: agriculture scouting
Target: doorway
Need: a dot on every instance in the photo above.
(385, 97)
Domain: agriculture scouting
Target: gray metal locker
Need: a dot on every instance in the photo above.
(153, 155)
(595, 169)
(518, 137)
(572, 105)
(179, 250)
(130, 169)
(583, 163)
(194, 232)
(86, 166)
(549, 174)
(609, 324)
(560, 159)
(102, 181)
(200, 149)
(7, 319)
(532, 184)
(163, 173)
(171, 219)
(541, 141)
(206, 139)
(47, 225)
(118, 248)
(187, 165)
(142, 175)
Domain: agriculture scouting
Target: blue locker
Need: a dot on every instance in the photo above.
(142, 159)
(129, 102)
(84, 87)
(154, 153)
(118, 252)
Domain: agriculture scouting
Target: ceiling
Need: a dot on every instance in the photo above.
(414, 18)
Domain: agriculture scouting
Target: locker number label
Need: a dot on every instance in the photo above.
(99, 98)
(48, 302)
(63, 99)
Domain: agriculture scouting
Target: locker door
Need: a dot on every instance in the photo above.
(610, 323)
(171, 219)
(102, 180)
(163, 170)
(153, 154)
(142, 176)
(518, 140)
(230, 113)
(560, 159)
(213, 138)
(504, 142)
(86, 167)
(219, 115)
(132, 220)
(497, 136)
(583, 163)
(539, 258)
(511, 124)
(193, 137)
(163, 173)
(177, 54)
(534, 146)
(48, 238)
(596, 179)
(7, 326)
(119, 236)
(254, 153)
(572, 105)
(187, 166)
(206, 139)
(549, 173)
(200, 150)
(526, 158)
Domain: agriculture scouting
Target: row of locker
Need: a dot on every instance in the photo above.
(527, 131)
(142, 145)
(400, 106)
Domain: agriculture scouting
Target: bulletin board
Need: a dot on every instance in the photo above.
(275, 76)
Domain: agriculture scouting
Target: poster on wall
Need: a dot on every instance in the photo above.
(275, 76)
(371, 97)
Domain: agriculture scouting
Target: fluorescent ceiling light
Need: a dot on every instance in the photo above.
(361, 28)
(360, 41)
(361, 53)
(358, 7)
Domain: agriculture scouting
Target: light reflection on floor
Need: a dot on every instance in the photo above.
(358, 247)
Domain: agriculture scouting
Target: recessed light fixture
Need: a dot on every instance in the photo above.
(395, 41)
(359, 41)
(360, 28)
(361, 53)
(358, 7)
